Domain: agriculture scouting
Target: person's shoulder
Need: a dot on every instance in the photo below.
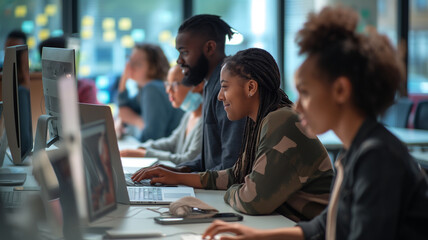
(154, 84)
(379, 147)
(154, 87)
(281, 116)
(279, 122)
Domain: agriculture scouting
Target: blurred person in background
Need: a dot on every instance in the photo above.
(150, 111)
(185, 142)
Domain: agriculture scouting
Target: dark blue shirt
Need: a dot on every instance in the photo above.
(222, 138)
(152, 104)
(384, 194)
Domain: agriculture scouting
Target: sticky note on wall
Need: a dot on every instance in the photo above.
(31, 42)
(87, 21)
(44, 34)
(125, 24)
(50, 9)
(108, 24)
(20, 11)
(86, 33)
(41, 20)
(127, 41)
(109, 36)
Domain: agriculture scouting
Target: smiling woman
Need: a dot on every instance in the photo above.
(280, 168)
(347, 79)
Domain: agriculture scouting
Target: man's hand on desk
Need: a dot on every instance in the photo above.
(140, 152)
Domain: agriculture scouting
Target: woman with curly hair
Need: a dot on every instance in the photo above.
(346, 81)
(149, 112)
(281, 168)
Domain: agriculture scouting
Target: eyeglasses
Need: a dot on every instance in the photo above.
(173, 85)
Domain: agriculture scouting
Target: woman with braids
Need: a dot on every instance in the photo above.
(346, 81)
(281, 167)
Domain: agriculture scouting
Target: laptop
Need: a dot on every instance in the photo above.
(141, 194)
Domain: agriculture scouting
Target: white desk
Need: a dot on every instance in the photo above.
(136, 218)
(139, 219)
(410, 137)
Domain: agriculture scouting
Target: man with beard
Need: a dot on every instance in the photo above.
(201, 42)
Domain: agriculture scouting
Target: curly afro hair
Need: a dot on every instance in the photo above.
(368, 60)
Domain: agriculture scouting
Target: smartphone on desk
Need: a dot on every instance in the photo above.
(227, 217)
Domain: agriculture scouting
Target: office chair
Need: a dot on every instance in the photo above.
(397, 115)
(421, 115)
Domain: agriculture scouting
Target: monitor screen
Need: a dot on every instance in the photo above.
(17, 102)
(56, 62)
(98, 170)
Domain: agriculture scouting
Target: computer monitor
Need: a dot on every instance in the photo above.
(100, 190)
(91, 113)
(56, 62)
(17, 103)
(3, 138)
(89, 155)
(82, 164)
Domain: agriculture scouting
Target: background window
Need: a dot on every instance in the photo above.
(255, 20)
(39, 19)
(110, 28)
(296, 12)
(418, 48)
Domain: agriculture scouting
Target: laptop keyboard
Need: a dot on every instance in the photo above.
(11, 199)
(129, 182)
(145, 193)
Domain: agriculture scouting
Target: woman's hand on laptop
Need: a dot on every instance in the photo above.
(159, 174)
(156, 174)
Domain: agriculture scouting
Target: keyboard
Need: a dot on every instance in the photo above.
(11, 199)
(145, 193)
(129, 182)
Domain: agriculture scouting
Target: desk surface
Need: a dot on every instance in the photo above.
(137, 219)
(411, 137)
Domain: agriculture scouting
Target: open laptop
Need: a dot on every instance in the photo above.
(138, 194)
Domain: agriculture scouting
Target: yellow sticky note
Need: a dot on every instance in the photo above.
(127, 41)
(41, 20)
(86, 33)
(85, 70)
(165, 36)
(20, 11)
(108, 24)
(87, 21)
(44, 34)
(50, 9)
(125, 24)
(31, 42)
(109, 36)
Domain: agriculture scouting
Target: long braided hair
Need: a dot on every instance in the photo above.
(259, 65)
(210, 26)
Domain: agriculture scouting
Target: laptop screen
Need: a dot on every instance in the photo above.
(98, 170)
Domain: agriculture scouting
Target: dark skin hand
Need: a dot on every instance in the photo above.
(139, 175)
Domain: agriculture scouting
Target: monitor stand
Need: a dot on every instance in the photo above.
(42, 133)
(9, 176)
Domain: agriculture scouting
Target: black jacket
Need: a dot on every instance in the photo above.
(384, 195)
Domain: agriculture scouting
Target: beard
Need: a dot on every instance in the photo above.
(196, 74)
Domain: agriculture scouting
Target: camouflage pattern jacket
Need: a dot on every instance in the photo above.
(291, 175)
